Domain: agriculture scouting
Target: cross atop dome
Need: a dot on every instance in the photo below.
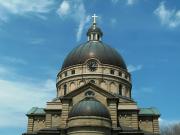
(94, 18)
(94, 33)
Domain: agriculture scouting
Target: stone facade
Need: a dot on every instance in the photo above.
(107, 83)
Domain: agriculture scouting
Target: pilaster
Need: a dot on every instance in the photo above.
(30, 124)
(134, 120)
(112, 105)
(156, 125)
(65, 111)
(48, 120)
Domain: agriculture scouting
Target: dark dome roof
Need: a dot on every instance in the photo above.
(89, 107)
(94, 49)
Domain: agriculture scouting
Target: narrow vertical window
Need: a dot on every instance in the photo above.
(112, 72)
(73, 72)
(120, 73)
(120, 89)
(65, 73)
(65, 89)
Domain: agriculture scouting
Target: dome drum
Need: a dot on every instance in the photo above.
(84, 121)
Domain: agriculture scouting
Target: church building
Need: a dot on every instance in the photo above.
(93, 96)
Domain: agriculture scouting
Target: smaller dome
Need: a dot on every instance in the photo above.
(94, 29)
(89, 107)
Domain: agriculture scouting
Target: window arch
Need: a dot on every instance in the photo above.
(103, 85)
(113, 87)
(72, 86)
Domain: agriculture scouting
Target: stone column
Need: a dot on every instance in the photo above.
(112, 105)
(135, 120)
(156, 125)
(30, 124)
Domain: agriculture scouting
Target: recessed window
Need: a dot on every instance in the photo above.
(65, 73)
(126, 76)
(120, 89)
(112, 72)
(120, 73)
(65, 89)
(73, 72)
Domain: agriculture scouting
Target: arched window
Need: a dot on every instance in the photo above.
(113, 87)
(65, 89)
(120, 89)
(97, 37)
(72, 86)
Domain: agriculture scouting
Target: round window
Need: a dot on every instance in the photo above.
(89, 93)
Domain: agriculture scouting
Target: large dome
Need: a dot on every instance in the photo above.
(94, 49)
(89, 107)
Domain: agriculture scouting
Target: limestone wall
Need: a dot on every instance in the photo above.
(149, 124)
(128, 118)
(118, 82)
(36, 123)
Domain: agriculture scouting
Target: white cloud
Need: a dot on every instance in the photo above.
(64, 8)
(165, 123)
(24, 7)
(128, 2)
(133, 68)
(81, 27)
(18, 96)
(131, 2)
(76, 11)
(168, 17)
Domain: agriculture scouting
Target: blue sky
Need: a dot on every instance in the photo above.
(36, 36)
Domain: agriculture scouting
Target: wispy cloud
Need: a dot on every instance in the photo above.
(12, 60)
(128, 2)
(76, 11)
(18, 96)
(37, 41)
(113, 21)
(147, 89)
(168, 17)
(133, 68)
(64, 9)
(24, 8)
(165, 122)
